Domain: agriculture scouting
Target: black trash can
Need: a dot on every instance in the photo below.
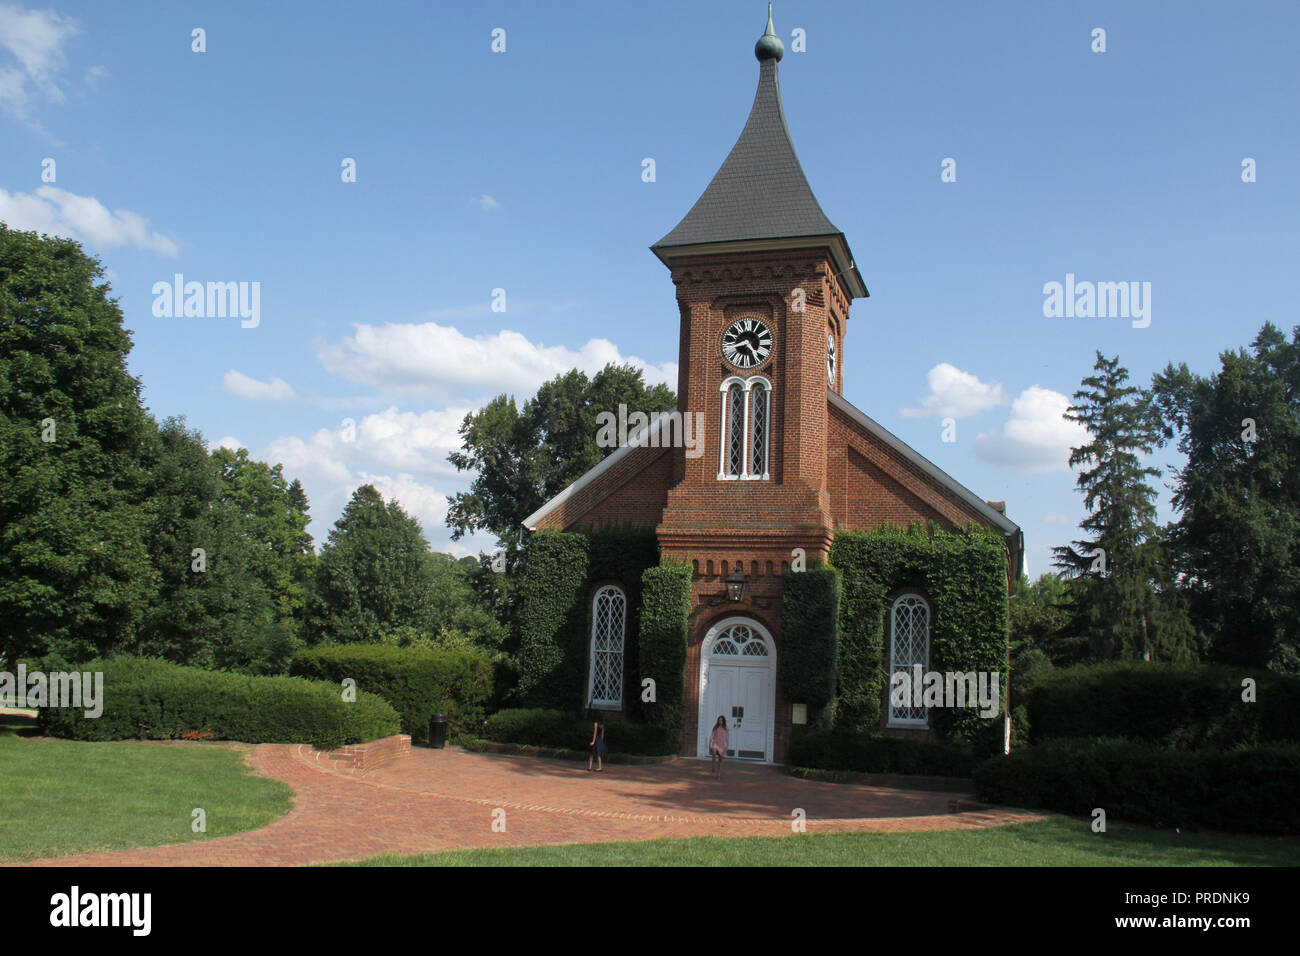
(438, 731)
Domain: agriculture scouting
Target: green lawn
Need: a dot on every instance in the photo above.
(1059, 841)
(59, 797)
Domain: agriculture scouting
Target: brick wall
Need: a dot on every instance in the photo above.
(362, 758)
(826, 470)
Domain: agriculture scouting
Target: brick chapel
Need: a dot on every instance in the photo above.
(764, 285)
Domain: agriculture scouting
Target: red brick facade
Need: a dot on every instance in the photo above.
(758, 246)
(827, 469)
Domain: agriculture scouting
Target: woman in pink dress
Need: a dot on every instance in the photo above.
(719, 740)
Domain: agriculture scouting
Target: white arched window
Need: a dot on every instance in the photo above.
(760, 403)
(608, 624)
(909, 645)
(746, 429)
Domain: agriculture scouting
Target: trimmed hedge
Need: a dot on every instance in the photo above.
(417, 681)
(810, 607)
(1247, 790)
(554, 728)
(665, 632)
(865, 752)
(561, 573)
(1180, 707)
(962, 572)
(154, 699)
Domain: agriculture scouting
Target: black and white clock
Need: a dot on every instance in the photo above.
(747, 343)
(830, 358)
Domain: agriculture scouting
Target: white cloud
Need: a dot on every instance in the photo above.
(316, 459)
(956, 394)
(486, 202)
(35, 40)
(331, 468)
(61, 213)
(234, 444)
(237, 383)
(428, 358)
(1035, 438)
(410, 441)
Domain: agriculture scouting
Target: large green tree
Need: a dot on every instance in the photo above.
(373, 578)
(1120, 580)
(217, 604)
(274, 517)
(522, 458)
(75, 577)
(1237, 540)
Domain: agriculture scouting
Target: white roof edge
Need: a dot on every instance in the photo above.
(594, 472)
(930, 468)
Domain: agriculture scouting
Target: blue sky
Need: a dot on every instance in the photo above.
(521, 171)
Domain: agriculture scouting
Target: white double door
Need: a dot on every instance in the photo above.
(739, 687)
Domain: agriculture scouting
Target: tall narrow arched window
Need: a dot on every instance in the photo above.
(608, 624)
(746, 428)
(759, 413)
(733, 421)
(909, 646)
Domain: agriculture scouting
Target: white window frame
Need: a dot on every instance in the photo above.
(747, 384)
(917, 722)
(607, 590)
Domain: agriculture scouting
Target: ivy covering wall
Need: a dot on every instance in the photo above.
(665, 632)
(810, 608)
(962, 573)
(561, 573)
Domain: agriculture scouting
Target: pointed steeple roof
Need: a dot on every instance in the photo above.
(760, 192)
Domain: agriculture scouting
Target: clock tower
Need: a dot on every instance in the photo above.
(764, 282)
(781, 465)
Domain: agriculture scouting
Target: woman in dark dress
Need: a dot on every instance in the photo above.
(597, 749)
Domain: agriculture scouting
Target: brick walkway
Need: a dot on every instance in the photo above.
(445, 800)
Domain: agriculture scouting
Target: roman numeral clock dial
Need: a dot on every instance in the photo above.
(747, 343)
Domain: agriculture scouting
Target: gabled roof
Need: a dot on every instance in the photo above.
(923, 464)
(761, 192)
(644, 437)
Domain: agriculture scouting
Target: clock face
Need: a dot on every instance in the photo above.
(747, 343)
(830, 358)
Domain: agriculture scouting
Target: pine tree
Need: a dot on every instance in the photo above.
(1118, 573)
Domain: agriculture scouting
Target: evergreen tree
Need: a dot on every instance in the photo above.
(373, 576)
(1120, 580)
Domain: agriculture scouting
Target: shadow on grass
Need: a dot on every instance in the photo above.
(1125, 844)
(18, 725)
